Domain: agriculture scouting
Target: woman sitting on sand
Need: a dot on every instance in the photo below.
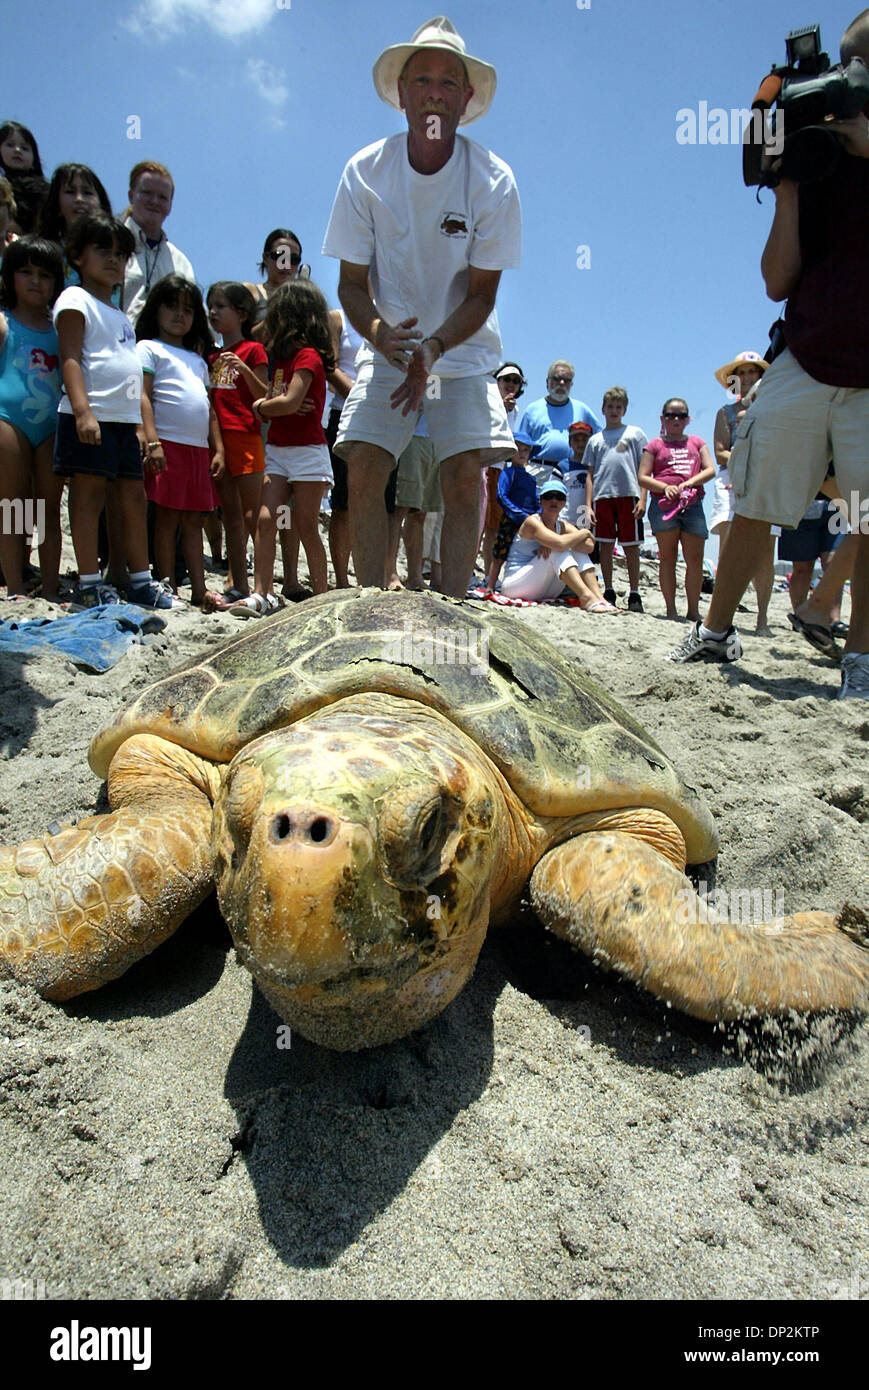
(548, 553)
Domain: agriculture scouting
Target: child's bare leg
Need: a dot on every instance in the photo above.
(606, 563)
(48, 488)
(290, 557)
(86, 497)
(632, 556)
(414, 524)
(668, 544)
(236, 532)
(211, 525)
(191, 543)
(15, 458)
(131, 502)
(119, 561)
(692, 550)
(307, 497)
(763, 582)
(275, 494)
(165, 526)
(250, 490)
(339, 547)
(395, 521)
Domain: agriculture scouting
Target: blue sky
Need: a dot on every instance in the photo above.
(255, 106)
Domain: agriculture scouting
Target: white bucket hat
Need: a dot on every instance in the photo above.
(436, 33)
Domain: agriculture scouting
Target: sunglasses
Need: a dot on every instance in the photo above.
(283, 256)
(675, 415)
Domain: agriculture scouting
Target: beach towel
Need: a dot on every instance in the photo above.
(94, 640)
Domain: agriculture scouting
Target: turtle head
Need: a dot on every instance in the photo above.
(354, 854)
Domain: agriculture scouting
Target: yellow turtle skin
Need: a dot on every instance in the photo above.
(371, 780)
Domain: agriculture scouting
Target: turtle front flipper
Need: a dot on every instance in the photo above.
(78, 908)
(619, 901)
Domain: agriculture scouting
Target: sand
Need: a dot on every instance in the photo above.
(555, 1134)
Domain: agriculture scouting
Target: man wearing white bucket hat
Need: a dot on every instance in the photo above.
(423, 223)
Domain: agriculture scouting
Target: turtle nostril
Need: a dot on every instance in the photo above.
(281, 827)
(320, 829)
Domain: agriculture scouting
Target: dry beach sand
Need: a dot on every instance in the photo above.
(555, 1134)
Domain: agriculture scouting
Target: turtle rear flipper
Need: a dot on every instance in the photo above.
(615, 898)
(78, 908)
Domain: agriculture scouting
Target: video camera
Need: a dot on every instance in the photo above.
(807, 91)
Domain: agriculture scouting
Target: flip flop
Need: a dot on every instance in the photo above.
(840, 629)
(601, 606)
(818, 636)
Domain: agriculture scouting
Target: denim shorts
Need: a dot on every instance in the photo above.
(692, 520)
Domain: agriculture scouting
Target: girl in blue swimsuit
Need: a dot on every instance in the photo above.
(31, 278)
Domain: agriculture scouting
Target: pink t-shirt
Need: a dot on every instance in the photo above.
(674, 462)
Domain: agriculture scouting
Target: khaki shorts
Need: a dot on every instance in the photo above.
(461, 413)
(418, 485)
(787, 439)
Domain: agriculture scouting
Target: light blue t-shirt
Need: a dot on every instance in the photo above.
(548, 425)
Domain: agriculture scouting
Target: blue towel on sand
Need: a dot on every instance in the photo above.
(94, 639)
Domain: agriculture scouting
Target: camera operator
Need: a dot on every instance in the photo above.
(813, 402)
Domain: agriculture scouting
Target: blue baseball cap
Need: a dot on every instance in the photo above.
(521, 437)
(552, 485)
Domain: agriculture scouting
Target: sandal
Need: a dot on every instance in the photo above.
(840, 629)
(818, 636)
(255, 606)
(296, 595)
(601, 606)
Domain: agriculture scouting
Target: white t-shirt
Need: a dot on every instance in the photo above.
(179, 394)
(109, 361)
(419, 233)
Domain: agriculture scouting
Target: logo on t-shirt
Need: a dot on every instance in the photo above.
(455, 224)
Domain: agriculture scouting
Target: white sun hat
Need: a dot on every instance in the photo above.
(436, 33)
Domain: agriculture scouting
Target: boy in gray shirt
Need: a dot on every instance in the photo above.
(612, 457)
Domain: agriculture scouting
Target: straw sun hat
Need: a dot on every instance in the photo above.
(436, 33)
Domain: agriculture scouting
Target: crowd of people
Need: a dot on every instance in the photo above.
(112, 381)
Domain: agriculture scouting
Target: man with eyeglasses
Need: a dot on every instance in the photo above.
(812, 403)
(548, 421)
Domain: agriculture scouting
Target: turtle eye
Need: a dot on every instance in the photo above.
(413, 831)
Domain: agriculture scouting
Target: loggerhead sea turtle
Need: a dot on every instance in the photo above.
(368, 781)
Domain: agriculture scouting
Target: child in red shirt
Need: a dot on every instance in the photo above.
(239, 374)
(298, 337)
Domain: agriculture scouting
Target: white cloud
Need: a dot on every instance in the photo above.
(229, 18)
(270, 85)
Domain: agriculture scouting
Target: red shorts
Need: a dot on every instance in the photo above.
(615, 519)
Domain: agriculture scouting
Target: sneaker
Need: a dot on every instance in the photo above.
(153, 594)
(93, 596)
(609, 595)
(635, 603)
(697, 648)
(855, 676)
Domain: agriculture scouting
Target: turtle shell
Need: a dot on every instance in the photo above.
(565, 746)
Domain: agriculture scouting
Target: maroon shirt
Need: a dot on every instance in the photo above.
(827, 316)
